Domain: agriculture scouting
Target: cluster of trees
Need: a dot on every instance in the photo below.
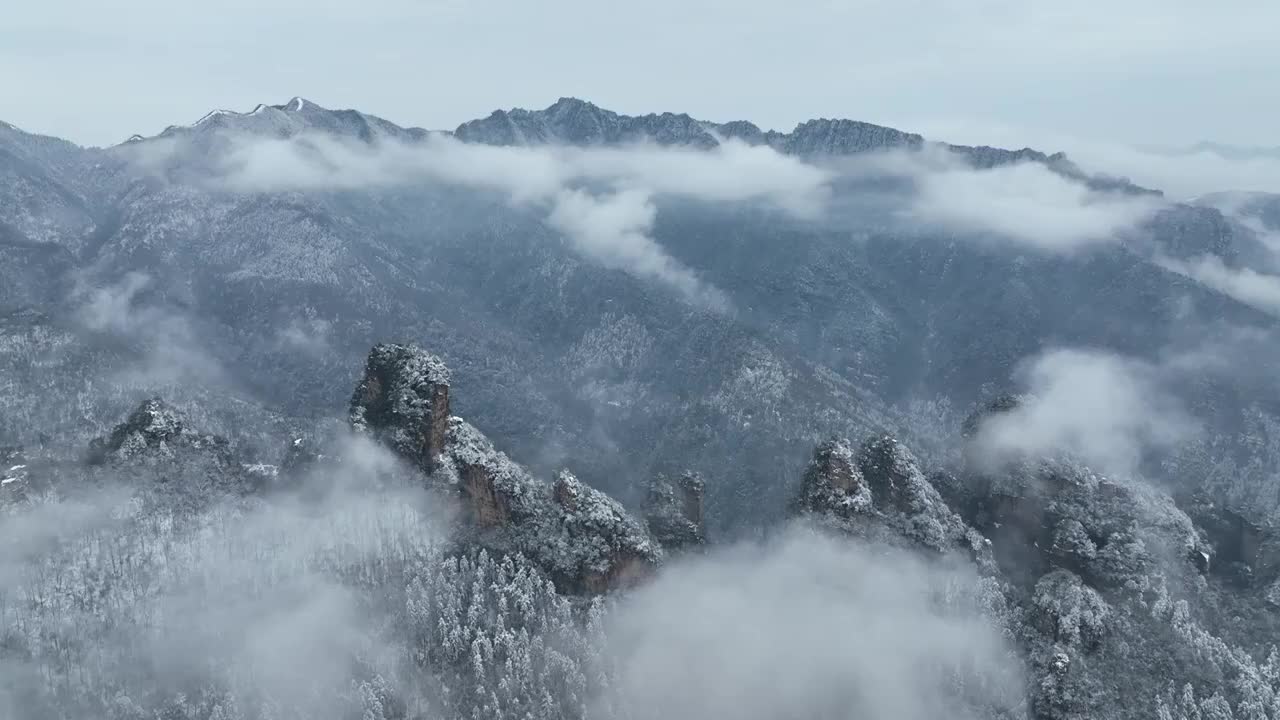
(128, 606)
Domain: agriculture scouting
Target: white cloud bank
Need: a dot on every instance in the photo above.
(1107, 410)
(1259, 290)
(1023, 204)
(601, 199)
(1029, 204)
(604, 199)
(807, 626)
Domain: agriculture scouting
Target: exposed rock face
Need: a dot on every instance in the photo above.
(584, 539)
(880, 492)
(674, 512)
(578, 122)
(156, 449)
(846, 137)
(833, 483)
(403, 401)
(572, 121)
(156, 429)
(1234, 547)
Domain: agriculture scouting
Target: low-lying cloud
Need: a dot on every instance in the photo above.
(1181, 173)
(601, 199)
(172, 350)
(1253, 288)
(1110, 411)
(1028, 204)
(604, 199)
(810, 626)
(1024, 204)
(615, 231)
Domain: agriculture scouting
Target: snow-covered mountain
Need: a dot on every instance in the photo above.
(1091, 546)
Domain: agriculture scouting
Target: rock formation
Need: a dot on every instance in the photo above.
(584, 539)
(403, 401)
(880, 492)
(674, 511)
(156, 429)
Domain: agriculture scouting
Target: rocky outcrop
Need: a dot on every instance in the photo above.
(833, 484)
(880, 492)
(154, 429)
(1055, 512)
(169, 462)
(571, 121)
(576, 122)
(674, 512)
(580, 536)
(1234, 547)
(403, 401)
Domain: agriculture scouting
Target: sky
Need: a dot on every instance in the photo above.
(1167, 72)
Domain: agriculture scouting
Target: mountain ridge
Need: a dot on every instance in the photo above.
(571, 120)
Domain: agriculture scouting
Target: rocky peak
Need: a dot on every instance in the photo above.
(153, 428)
(893, 474)
(403, 401)
(577, 122)
(833, 483)
(583, 538)
(879, 491)
(296, 117)
(846, 137)
(674, 511)
(1239, 549)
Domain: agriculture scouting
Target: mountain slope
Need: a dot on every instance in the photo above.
(270, 297)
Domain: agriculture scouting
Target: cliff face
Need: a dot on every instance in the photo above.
(879, 491)
(674, 511)
(585, 540)
(403, 401)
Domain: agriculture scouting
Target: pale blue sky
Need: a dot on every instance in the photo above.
(1133, 71)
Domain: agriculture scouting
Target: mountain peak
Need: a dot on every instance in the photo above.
(571, 103)
(298, 104)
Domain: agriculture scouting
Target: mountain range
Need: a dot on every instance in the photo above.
(1052, 385)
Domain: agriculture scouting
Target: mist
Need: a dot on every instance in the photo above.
(128, 588)
(808, 625)
(1109, 411)
(604, 200)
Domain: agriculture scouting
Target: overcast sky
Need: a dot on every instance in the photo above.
(1134, 71)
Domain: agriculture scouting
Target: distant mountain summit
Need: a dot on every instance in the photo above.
(295, 117)
(571, 121)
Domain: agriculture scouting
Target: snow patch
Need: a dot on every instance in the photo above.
(213, 114)
(296, 104)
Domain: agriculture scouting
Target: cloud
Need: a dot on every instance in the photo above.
(1024, 204)
(603, 199)
(307, 336)
(614, 230)
(248, 596)
(805, 625)
(1181, 173)
(1110, 411)
(1259, 290)
(172, 351)
(1028, 204)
